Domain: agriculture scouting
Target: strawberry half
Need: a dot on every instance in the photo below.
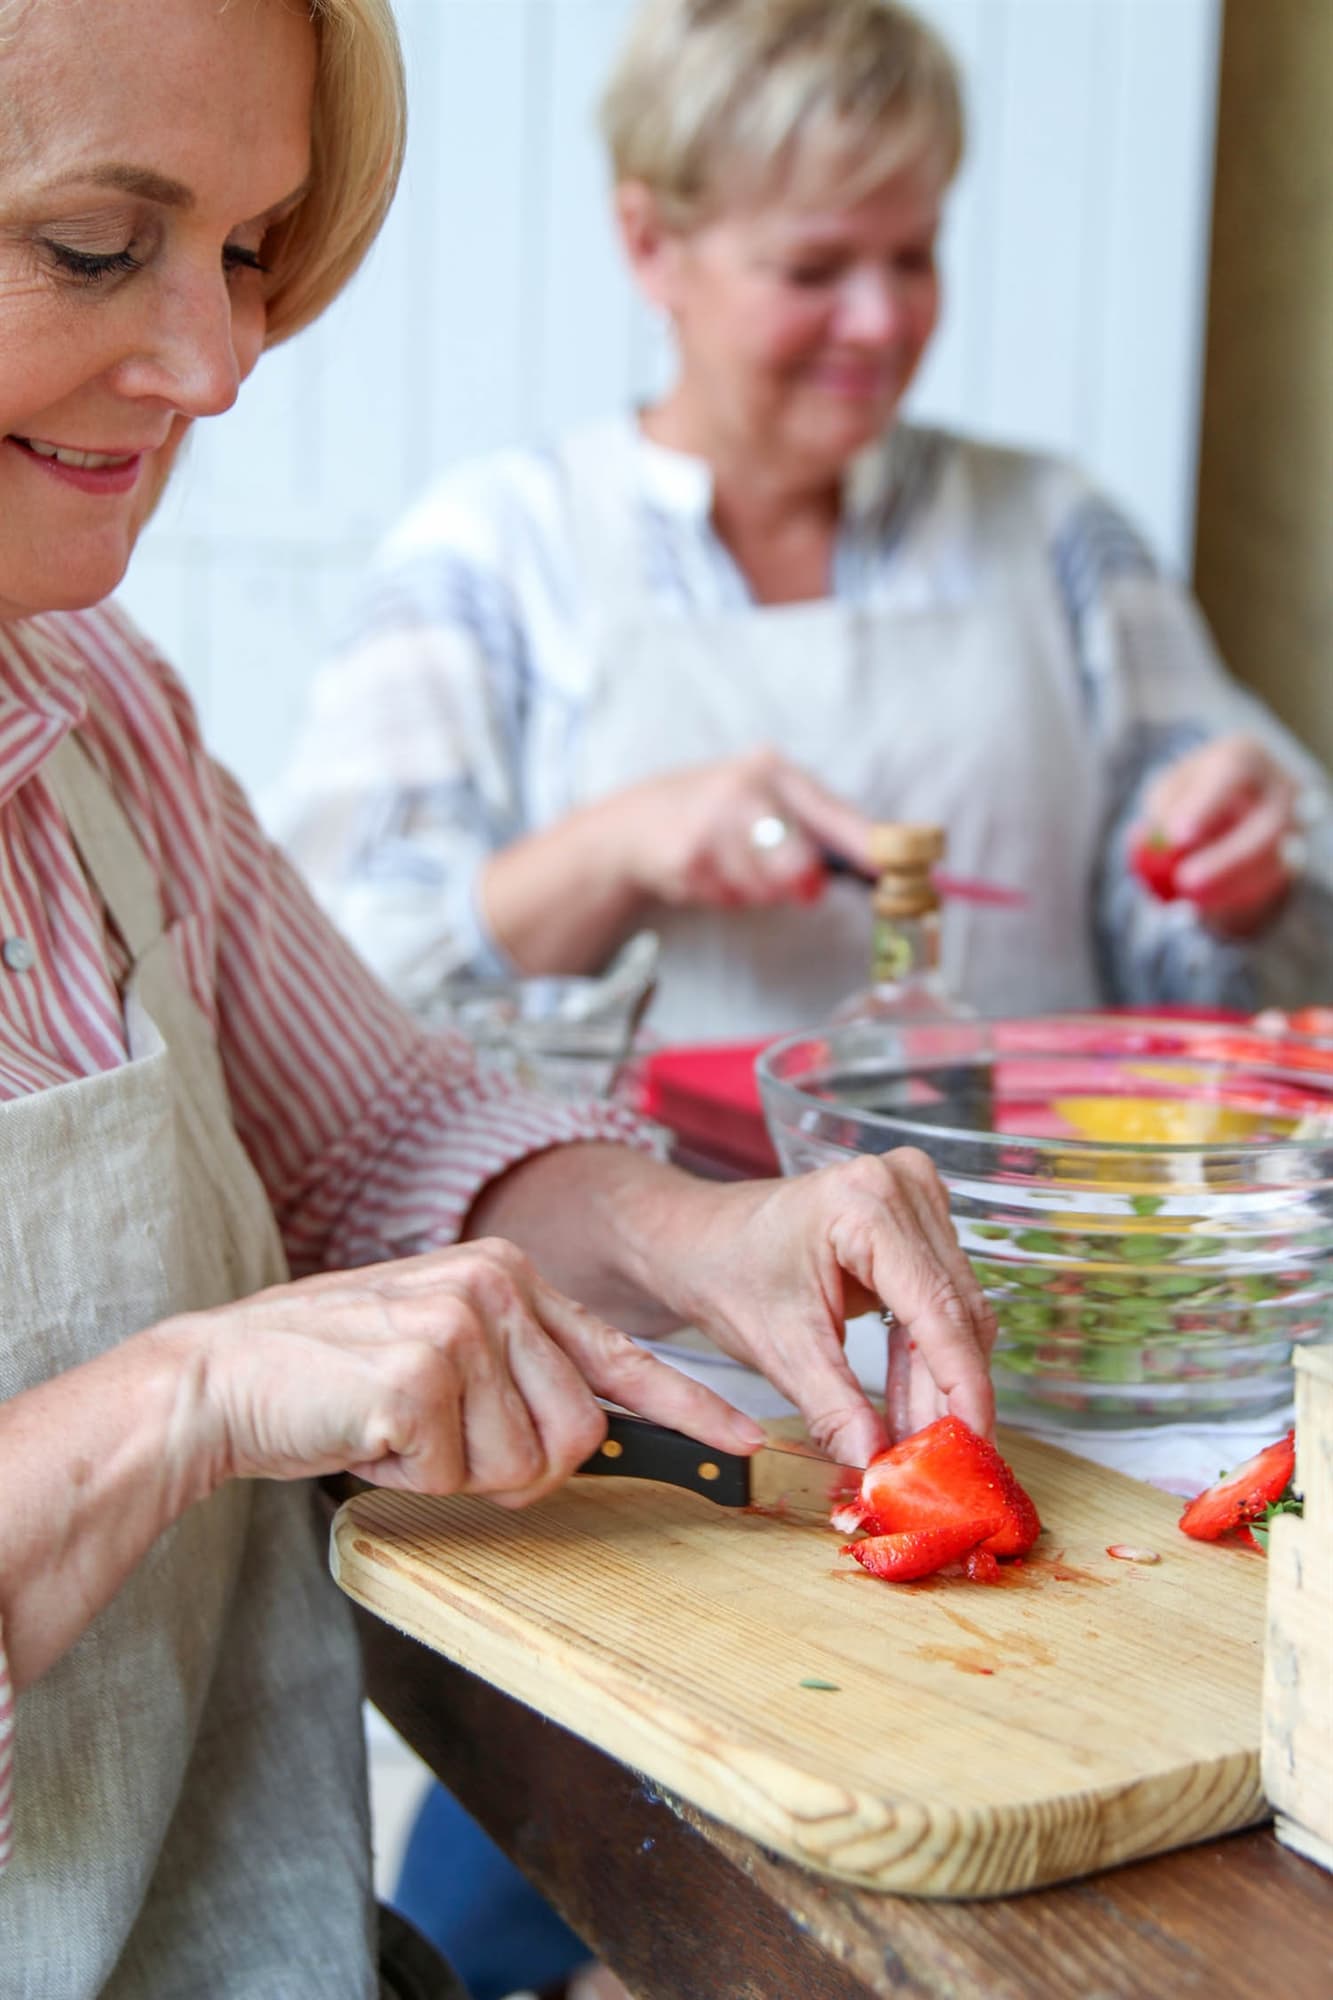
(916, 1553)
(947, 1476)
(1242, 1495)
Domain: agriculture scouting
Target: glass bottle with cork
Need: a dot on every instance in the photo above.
(935, 1048)
(905, 980)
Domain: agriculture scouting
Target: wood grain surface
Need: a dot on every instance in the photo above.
(684, 1908)
(974, 1740)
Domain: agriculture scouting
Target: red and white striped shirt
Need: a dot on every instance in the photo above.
(372, 1136)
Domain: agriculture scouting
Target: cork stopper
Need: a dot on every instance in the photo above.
(905, 854)
(905, 844)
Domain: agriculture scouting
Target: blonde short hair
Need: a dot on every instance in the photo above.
(358, 132)
(359, 129)
(716, 100)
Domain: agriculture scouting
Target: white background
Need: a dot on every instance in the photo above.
(493, 310)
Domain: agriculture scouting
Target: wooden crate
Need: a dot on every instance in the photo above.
(1298, 1658)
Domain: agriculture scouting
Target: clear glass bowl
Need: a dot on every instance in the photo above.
(1148, 1203)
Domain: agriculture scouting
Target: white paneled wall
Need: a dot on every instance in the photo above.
(493, 310)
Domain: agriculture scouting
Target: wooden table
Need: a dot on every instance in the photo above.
(684, 1909)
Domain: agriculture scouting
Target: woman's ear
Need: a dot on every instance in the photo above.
(649, 244)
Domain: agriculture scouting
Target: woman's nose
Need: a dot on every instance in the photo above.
(189, 356)
(871, 306)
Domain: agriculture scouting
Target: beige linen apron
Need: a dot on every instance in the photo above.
(191, 1814)
(944, 714)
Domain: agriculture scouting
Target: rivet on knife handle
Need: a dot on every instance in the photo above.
(634, 1448)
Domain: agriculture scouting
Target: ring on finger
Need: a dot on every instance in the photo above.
(768, 832)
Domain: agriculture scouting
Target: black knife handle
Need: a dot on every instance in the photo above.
(636, 1449)
(838, 864)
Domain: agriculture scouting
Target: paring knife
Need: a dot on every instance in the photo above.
(954, 888)
(781, 1478)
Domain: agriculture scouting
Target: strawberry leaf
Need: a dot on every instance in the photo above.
(1287, 1502)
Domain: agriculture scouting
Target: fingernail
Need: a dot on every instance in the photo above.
(747, 1433)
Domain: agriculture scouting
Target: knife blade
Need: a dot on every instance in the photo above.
(784, 1477)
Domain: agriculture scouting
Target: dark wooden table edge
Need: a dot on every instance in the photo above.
(631, 1868)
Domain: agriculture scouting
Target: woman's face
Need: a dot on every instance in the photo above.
(800, 327)
(146, 148)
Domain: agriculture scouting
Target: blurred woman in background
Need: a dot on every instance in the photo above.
(657, 671)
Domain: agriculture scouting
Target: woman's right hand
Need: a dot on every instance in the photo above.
(745, 830)
(461, 1371)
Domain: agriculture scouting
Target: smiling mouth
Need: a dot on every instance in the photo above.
(81, 461)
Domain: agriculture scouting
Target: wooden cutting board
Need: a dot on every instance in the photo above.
(975, 1741)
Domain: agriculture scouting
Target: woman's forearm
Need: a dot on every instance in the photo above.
(624, 1202)
(563, 899)
(94, 1465)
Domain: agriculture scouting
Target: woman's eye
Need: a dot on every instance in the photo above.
(88, 266)
(235, 258)
(810, 276)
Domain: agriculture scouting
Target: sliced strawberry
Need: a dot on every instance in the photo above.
(946, 1474)
(918, 1552)
(1243, 1494)
(982, 1567)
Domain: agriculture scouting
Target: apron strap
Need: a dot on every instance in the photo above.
(112, 856)
(122, 875)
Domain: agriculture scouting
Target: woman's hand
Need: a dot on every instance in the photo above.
(461, 1371)
(747, 830)
(1232, 808)
(772, 1270)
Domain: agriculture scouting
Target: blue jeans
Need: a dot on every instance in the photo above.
(488, 1920)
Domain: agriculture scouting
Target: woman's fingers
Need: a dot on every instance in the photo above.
(779, 1267)
(762, 857)
(1242, 863)
(829, 822)
(1210, 788)
(949, 1321)
(913, 1398)
(814, 1374)
(1232, 808)
(616, 1368)
(940, 1305)
(747, 831)
(931, 1205)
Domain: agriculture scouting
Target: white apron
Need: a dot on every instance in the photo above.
(908, 714)
(191, 1814)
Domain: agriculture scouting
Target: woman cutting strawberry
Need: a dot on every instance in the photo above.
(202, 1090)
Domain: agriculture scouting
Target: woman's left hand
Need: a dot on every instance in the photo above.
(774, 1269)
(1231, 807)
